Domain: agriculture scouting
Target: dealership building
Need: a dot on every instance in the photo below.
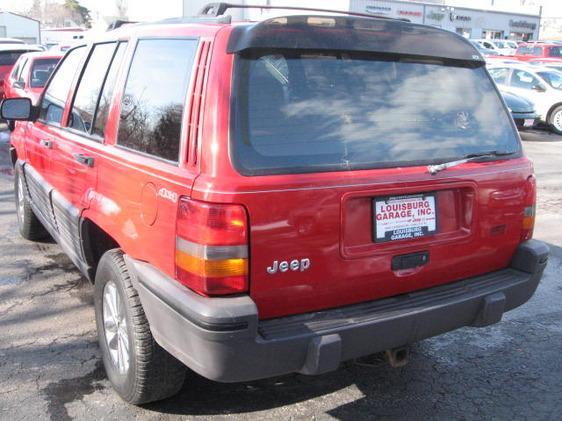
(469, 22)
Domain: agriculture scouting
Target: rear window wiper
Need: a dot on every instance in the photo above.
(434, 169)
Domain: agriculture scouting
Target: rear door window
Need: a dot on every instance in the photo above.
(89, 87)
(537, 51)
(524, 80)
(154, 97)
(104, 103)
(57, 91)
(301, 112)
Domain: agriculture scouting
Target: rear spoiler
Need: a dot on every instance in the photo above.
(354, 34)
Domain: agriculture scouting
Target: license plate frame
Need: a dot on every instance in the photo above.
(419, 223)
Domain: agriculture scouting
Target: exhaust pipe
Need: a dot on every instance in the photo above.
(398, 357)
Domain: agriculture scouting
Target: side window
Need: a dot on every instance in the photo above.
(537, 51)
(89, 87)
(23, 71)
(523, 79)
(154, 96)
(107, 91)
(500, 75)
(554, 52)
(15, 72)
(56, 93)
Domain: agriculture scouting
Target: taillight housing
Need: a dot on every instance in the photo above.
(528, 223)
(212, 247)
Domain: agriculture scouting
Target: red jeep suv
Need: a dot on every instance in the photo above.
(539, 50)
(259, 198)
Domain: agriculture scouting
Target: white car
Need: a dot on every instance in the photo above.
(502, 47)
(540, 85)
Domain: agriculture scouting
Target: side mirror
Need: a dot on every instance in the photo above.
(20, 84)
(538, 88)
(17, 109)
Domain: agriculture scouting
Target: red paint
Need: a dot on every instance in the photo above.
(33, 93)
(323, 217)
(539, 50)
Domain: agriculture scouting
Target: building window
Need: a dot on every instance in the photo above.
(465, 32)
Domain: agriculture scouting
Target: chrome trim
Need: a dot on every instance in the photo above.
(211, 252)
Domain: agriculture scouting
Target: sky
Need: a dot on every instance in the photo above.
(138, 9)
(159, 9)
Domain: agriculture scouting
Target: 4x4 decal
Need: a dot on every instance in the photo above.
(164, 193)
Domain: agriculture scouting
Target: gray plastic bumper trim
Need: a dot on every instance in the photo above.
(223, 340)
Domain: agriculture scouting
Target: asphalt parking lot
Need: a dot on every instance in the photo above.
(50, 363)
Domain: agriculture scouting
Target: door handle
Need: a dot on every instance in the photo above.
(46, 143)
(83, 159)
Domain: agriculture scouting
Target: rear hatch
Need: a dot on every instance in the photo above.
(338, 146)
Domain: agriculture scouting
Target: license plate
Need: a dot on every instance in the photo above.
(404, 217)
(528, 122)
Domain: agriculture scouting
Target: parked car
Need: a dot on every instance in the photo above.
(11, 41)
(502, 47)
(539, 50)
(522, 110)
(555, 64)
(30, 74)
(540, 85)
(9, 54)
(262, 198)
(483, 50)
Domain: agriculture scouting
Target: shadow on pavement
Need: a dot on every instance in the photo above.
(539, 135)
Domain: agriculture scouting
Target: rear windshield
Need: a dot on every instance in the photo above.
(41, 71)
(301, 112)
(8, 58)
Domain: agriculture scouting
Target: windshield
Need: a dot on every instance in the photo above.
(501, 44)
(554, 79)
(303, 112)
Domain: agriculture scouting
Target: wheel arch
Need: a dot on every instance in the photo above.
(95, 242)
(551, 109)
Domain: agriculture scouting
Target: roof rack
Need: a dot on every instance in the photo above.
(118, 23)
(218, 9)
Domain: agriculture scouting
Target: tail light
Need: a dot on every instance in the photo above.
(528, 223)
(212, 247)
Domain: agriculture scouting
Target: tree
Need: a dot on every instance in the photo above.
(122, 9)
(36, 11)
(80, 13)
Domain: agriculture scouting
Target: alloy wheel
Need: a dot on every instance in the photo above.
(115, 327)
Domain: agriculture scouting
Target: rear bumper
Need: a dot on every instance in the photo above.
(223, 340)
(525, 120)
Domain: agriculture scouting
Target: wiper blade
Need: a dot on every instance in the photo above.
(434, 169)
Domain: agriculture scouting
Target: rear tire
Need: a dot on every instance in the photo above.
(29, 225)
(555, 120)
(139, 369)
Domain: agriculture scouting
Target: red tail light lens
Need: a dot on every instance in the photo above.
(212, 247)
(528, 223)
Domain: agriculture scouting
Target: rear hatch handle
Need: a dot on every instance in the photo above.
(434, 169)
